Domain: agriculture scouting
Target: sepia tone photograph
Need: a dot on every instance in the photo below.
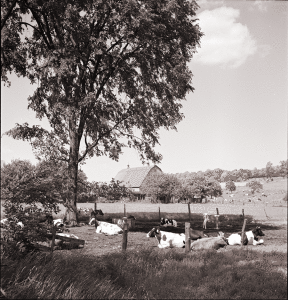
(144, 149)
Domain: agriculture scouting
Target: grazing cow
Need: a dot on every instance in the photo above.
(108, 228)
(131, 217)
(168, 222)
(208, 243)
(196, 234)
(169, 239)
(206, 219)
(94, 214)
(250, 237)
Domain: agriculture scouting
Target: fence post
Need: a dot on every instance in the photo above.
(189, 212)
(95, 208)
(217, 211)
(125, 234)
(124, 210)
(217, 216)
(159, 215)
(243, 213)
(187, 237)
(243, 231)
(53, 237)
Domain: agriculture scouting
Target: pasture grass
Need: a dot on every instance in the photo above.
(148, 273)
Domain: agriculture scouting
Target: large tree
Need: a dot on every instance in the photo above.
(109, 74)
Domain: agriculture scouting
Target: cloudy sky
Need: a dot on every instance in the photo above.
(237, 115)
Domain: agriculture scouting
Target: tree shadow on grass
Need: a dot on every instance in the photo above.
(228, 223)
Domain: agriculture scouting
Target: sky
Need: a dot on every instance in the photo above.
(235, 118)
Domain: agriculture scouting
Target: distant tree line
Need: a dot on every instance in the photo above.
(239, 175)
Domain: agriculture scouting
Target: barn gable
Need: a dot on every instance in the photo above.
(134, 177)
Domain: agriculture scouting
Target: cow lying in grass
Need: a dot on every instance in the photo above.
(168, 222)
(194, 234)
(108, 228)
(250, 237)
(208, 243)
(168, 239)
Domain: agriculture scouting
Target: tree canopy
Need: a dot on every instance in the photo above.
(109, 75)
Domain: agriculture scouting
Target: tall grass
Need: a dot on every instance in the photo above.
(148, 274)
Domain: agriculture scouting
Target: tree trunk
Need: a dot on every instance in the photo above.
(72, 215)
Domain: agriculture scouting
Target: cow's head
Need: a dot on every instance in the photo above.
(96, 212)
(257, 232)
(162, 221)
(151, 233)
(221, 234)
(206, 217)
(157, 234)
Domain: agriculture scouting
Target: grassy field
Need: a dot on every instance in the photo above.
(100, 270)
(147, 272)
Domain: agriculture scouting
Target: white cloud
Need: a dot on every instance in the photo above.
(226, 42)
(261, 5)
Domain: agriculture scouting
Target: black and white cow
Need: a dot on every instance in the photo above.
(168, 239)
(168, 222)
(250, 237)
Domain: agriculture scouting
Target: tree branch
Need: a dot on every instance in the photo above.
(8, 14)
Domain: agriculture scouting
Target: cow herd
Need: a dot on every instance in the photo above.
(198, 239)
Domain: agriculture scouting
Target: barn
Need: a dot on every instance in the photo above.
(133, 178)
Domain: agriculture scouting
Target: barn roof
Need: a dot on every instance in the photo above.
(133, 177)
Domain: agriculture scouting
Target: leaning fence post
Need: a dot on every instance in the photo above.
(187, 237)
(243, 232)
(189, 212)
(125, 234)
(53, 237)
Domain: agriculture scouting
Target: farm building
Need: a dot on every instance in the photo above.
(135, 177)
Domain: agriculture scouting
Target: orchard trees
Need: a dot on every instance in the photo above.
(230, 185)
(269, 170)
(283, 169)
(110, 74)
(165, 186)
(254, 185)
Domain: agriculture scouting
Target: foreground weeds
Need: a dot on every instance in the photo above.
(148, 274)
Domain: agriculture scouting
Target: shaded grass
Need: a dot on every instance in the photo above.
(148, 274)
